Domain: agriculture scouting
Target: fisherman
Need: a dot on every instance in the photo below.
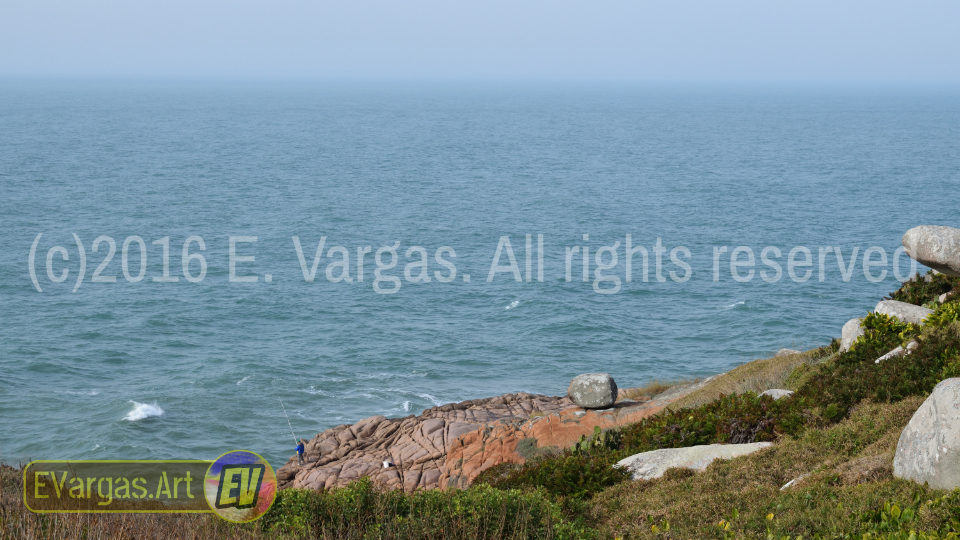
(300, 452)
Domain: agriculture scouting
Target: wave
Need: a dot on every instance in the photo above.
(731, 306)
(143, 410)
(436, 402)
(513, 304)
(243, 379)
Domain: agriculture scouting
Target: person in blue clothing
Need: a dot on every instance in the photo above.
(300, 451)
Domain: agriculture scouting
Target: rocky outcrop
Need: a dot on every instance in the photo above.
(448, 446)
(650, 465)
(416, 445)
(935, 246)
(851, 331)
(929, 447)
(593, 390)
(907, 313)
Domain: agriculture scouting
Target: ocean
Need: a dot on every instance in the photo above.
(166, 343)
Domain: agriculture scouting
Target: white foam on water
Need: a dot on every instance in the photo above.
(143, 410)
(436, 402)
(740, 303)
(315, 391)
(406, 405)
(243, 379)
(513, 304)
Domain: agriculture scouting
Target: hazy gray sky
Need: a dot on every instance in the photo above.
(670, 40)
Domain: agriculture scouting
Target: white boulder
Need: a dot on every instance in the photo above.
(851, 331)
(650, 465)
(777, 393)
(907, 313)
(929, 447)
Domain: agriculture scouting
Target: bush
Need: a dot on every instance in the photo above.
(920, 291)
(944, 314)
(733, 419)
(880, 328)
(570, 474)
(363, 511)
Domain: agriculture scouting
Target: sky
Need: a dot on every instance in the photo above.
(856, 41)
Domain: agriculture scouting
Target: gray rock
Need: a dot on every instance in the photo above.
(935, 246)
(851, 331)
(907, 313)
(777, 393)
(786, 352)
(929, 447)
(650, 465)
(593, 390)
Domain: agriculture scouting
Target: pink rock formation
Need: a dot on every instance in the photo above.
(448, 446)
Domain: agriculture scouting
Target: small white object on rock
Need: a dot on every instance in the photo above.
(650, 465)
(593, 390)
(777, 393)
(851, 331)
(387, 464)
(899, 351)
(907, 313)
(929, 447)
(786, 352)
(935, 246)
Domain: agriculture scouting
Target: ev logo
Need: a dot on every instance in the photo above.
(240, 486)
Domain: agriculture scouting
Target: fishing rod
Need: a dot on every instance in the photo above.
(288, 420)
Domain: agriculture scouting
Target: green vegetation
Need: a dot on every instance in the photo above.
(836, 437)
(921, 292)
(361, 511)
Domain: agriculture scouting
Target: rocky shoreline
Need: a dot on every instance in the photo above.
(448, 446)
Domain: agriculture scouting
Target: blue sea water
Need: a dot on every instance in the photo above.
(151, 369)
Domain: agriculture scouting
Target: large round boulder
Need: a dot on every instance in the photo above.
(593, 390)
(935, 246)
(929, 447)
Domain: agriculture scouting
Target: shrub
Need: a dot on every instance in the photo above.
(944, 314)
(361, 510)
(571, 474)
(880, 328)
(730, 419)
(920, 291)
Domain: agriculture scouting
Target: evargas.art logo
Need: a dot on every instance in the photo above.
(240, 486)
